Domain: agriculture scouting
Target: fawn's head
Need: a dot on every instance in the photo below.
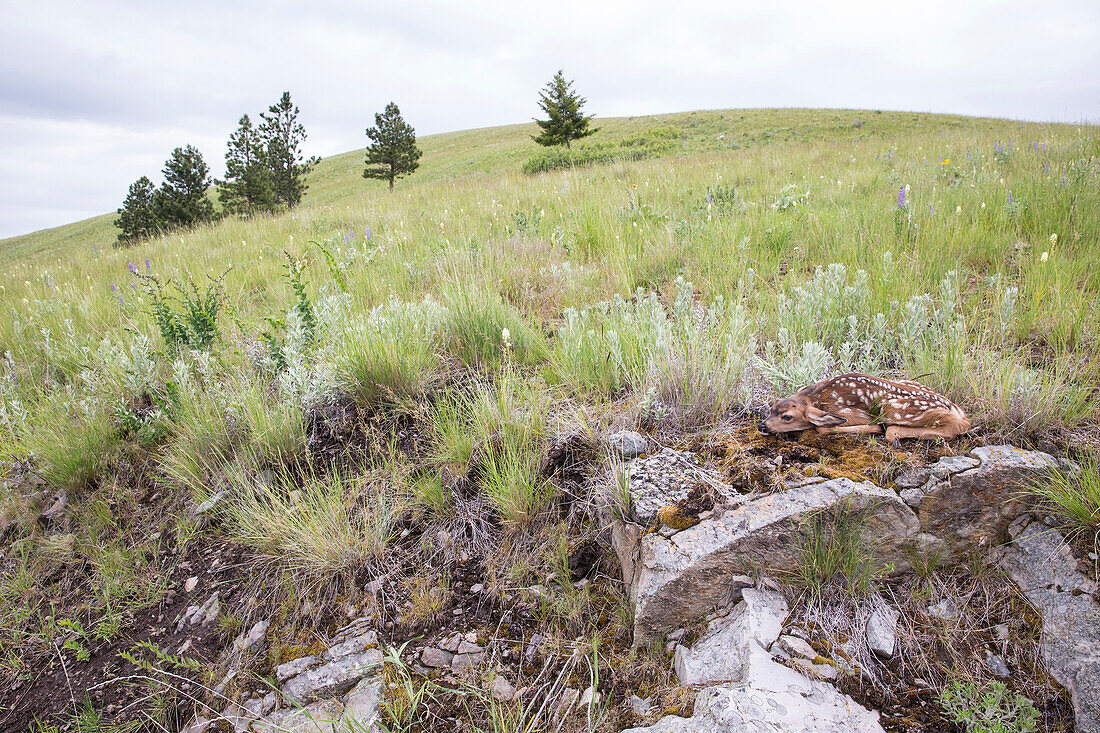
(797, 412)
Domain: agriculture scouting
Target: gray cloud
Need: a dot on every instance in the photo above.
(94, 95)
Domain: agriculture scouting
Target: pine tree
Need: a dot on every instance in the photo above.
(563, 106)
(181, 200)
(282, 136)
(393, 152)
(137, 218)
(247, 188)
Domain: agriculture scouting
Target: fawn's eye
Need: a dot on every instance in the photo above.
(786, 418)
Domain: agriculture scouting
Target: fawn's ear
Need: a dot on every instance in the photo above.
(823, 419)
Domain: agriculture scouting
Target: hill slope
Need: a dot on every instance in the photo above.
(396, 408)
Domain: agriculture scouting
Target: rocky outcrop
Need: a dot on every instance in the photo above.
(681, 577)
(973, 507)
(1041, 563)
(677, 575)
(749, 691)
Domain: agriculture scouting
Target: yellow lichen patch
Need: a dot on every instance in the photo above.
(673, 517)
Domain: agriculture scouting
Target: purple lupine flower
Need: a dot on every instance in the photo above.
(147, 267)
(120, 300)
(1010, 145)
(1044, 147)
(1035, 144)
(49, 279)
(710, 198)
(901, 197)
(930, 209)
(367, 235)
(133, 285)
(131, 267)
(347, 237)
(1046, 168)
(114, 288)
(1010, 197)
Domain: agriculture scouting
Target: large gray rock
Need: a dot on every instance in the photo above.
(757, 693)
(332, 678)
(972, 508)
(679, 579)
(628, 444)
(1041, 563)
(323, 716)
(721, 654)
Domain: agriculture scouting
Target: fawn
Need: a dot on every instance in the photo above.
(858, 403)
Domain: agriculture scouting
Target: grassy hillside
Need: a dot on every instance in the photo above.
(372, 381)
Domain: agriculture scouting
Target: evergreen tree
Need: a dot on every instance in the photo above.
(138, 218)
(181, 200)
(247, 187)
(563, 106)
(282, 136)
(393, 152)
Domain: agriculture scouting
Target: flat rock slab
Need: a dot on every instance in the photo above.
(679, 579)
(722, 653)
(1041, 563)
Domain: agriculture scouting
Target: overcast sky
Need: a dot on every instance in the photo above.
(95, 94)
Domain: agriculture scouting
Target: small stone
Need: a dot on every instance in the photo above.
(470, 637)
(436, 658)
(477, 588)
(503, 691)
(589, 698)
(796, 647)
(532, 648)
(628, 444)
(912, 497)
(945, 609)
(640, 706)
(1002, 631)
(190, 583)
(462, 661)
(997, 665)
(450, 644)
(253, 641)
(881, 631)
(467, 647)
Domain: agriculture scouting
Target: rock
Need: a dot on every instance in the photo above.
(1042, 565)
(680, 580)
(362, 707)
(997, 665)
(566, 702)
(770, 699)
(881, 632)
(209, 505)
(202, 615)
(667, 478)
(721, 653)
(190, 583)
(949, 465)
(352, 644)
(319, 717)
(912, 478)
(944, 609)
(198, 724)
(640, 706)
(913, 497)
(334, 678)
(589, 698)
(973, 508)
(795, 647)
(532, 648)
(436, 658)
(295, 667)
(450, 644)
(462, 660)
(814, 670)
(628, 444)
(502, 690)
(253, 641)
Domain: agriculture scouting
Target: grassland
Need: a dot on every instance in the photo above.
(475, 314)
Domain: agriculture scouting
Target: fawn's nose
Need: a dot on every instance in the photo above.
(763, 428)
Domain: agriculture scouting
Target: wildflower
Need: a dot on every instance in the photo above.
(1010, 197)
(131, 267)
(147, 267)
(946, 161)
(1043, 257)
(368, 234)
(506, 338)
(901, 197)
(1053, 240)
(958, 209)
(983, 204)
(114, 288)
